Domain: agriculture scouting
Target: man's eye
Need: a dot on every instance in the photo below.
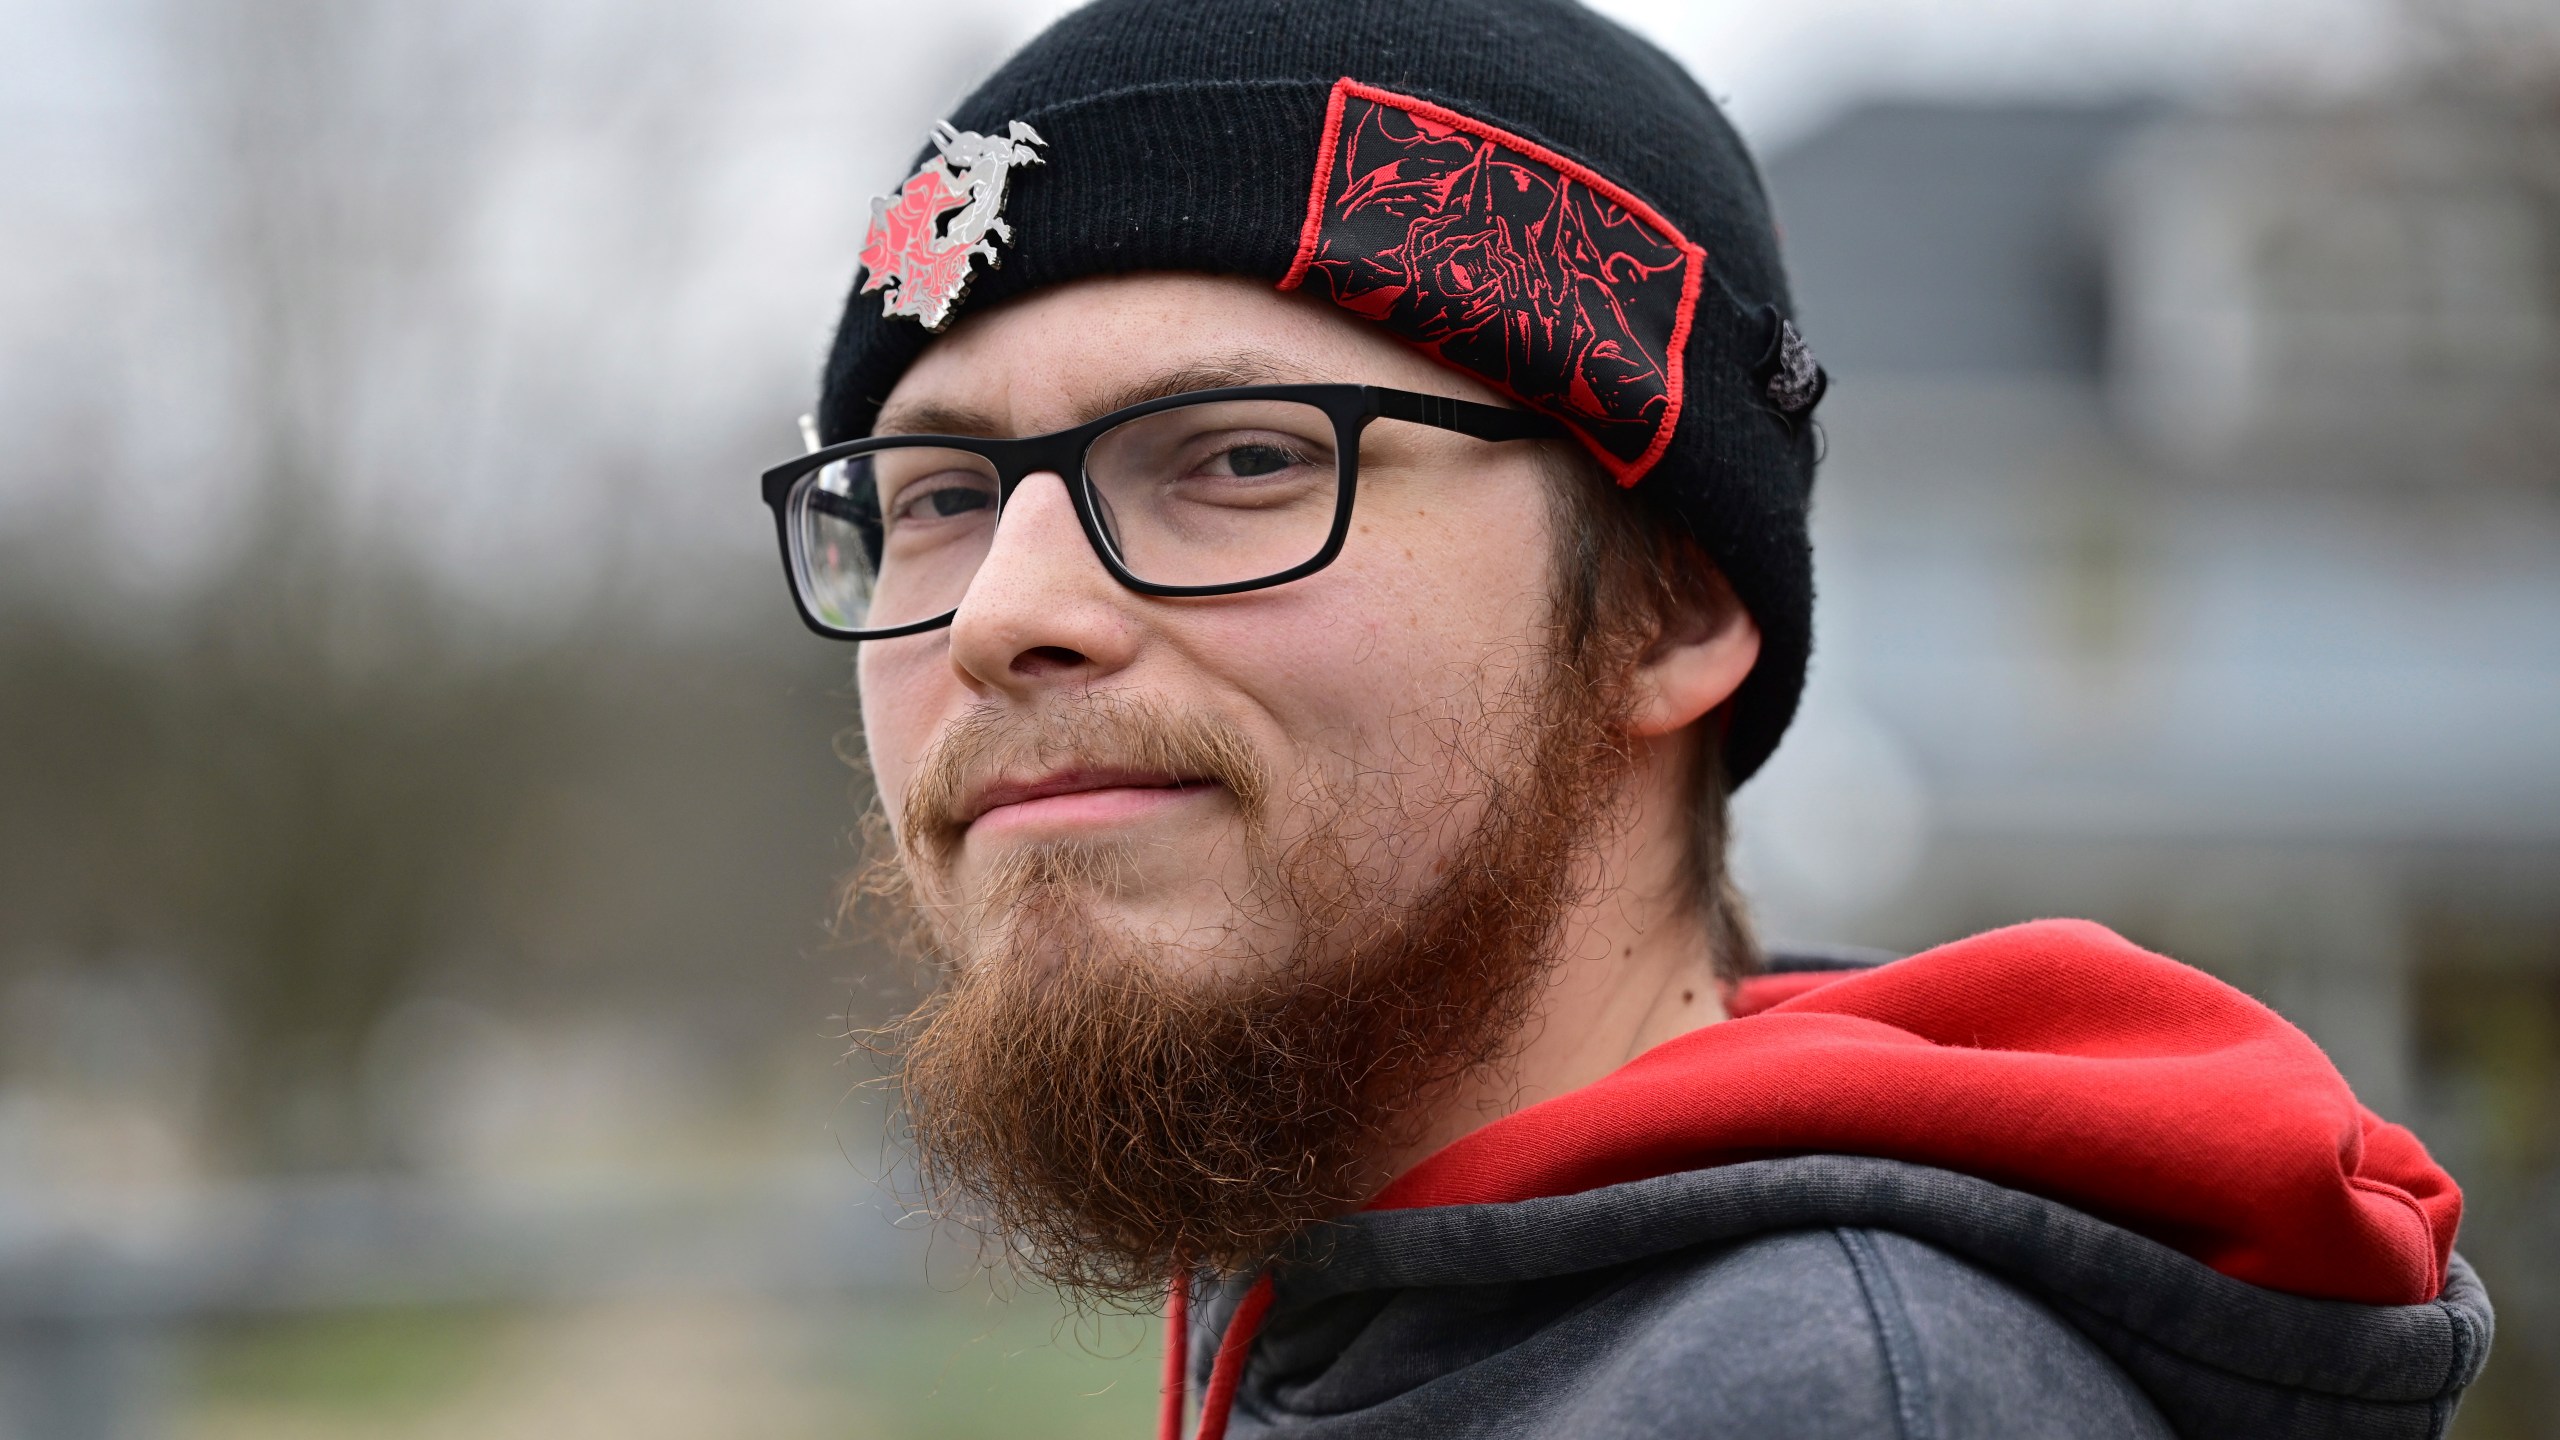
(1259, 459)
(1250, 457)
(935, 501)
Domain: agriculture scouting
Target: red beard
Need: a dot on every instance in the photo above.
(1110, 1113)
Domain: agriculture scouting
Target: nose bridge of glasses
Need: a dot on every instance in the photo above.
(1060, 455)
(1016, 461)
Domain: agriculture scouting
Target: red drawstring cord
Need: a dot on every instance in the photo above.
(1225, 1374)
(1177, 1355)
(1219, 1400)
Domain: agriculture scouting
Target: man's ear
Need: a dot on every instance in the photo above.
(1706, 648)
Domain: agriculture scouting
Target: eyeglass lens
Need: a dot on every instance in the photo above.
(1218, 493)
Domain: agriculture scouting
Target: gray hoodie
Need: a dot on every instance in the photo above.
(1814, 1297)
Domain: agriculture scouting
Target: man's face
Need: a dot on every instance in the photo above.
(1361, 691)
(1225, 887)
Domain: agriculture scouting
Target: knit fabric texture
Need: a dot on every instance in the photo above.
(1186, 135)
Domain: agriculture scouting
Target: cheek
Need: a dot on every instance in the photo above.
(905, 692)
(1383, 658)
(1449, 596)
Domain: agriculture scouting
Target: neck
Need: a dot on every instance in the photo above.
(1635, 968)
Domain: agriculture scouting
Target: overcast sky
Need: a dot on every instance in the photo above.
(1780, 66)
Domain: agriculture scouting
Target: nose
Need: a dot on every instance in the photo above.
(1041, 611)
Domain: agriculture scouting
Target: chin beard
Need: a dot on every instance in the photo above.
(1110, 1112)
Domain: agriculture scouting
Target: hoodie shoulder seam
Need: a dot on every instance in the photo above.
(1914, 1416)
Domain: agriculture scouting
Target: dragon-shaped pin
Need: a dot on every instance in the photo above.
(924, 239)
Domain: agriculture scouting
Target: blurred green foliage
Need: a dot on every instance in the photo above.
(2488, 1019)
(925, 1365)
(352, 1367)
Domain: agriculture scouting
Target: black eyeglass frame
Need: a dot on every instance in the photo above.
(1350, 407)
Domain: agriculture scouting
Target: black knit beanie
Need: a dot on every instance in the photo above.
(1524, 190)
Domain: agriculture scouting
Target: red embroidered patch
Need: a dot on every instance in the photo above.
(1506, 260)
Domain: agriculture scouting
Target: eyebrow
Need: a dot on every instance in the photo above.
(1237, 367)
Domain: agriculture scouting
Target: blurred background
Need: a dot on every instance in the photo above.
(418, 807)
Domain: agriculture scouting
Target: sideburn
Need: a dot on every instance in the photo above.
(1106, 1113)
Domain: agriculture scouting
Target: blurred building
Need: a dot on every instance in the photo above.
(2189, 545)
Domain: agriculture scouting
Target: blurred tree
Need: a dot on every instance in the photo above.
(292, 779)
(330, 775)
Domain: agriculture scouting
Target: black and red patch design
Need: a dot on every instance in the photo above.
(1507, 260)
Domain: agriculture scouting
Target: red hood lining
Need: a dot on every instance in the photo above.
(2055, 1058)
(1755, 993)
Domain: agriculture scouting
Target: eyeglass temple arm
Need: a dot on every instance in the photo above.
(842, 507)
(1485, 422)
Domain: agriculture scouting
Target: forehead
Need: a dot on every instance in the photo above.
(1066, 354)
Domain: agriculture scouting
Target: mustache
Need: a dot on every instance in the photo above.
(1093, 729)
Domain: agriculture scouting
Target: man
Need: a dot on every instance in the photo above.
(1315, 594)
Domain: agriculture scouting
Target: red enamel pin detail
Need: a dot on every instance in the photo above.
(923, 239)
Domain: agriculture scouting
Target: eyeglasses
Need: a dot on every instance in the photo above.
(1212, 492)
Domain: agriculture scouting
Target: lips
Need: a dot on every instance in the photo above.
(1003, 793)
